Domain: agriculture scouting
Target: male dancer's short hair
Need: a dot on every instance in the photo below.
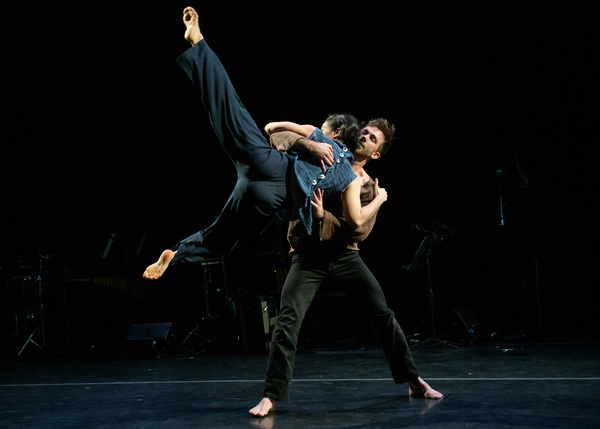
(388, 129)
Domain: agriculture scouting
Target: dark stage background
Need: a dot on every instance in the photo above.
(102, 135)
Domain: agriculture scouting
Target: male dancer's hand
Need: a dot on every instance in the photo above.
(380, 192)
(321, 152)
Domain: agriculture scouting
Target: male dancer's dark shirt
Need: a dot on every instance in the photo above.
(332, 232)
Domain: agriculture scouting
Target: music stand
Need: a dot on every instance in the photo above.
(41, 337)
(41, 327)
(209, 321)
(422, 260)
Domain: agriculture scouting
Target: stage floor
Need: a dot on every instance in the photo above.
(541, 385)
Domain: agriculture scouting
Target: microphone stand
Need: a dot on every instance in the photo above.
(501, 212)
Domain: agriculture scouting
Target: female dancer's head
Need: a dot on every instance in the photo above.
(342, 127)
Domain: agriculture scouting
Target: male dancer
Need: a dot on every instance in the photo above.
(269, 182)
(331, 253)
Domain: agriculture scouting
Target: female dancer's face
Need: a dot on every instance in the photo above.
(326, 129)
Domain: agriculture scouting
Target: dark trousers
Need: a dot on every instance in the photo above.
(307, 273)
(262, 172)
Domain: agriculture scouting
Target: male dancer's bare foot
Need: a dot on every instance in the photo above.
(157, 269)
(192, 32)
(263, 408)
(421, 389)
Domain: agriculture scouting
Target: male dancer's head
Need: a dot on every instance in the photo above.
(347, 129)
(380, 131)
(372, 140)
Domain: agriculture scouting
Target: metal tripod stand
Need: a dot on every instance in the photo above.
(39, 332)
(201, 338)
(422, 259)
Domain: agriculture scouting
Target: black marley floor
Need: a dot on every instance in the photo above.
(524, 385)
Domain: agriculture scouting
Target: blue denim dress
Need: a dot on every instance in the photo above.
(312, 177)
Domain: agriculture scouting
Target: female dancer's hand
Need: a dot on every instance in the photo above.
(317, 203)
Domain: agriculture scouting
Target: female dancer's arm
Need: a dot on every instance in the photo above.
(303, 130)
(355, 214)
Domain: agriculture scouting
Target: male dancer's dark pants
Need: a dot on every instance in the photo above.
(307, 273)
(261, 188)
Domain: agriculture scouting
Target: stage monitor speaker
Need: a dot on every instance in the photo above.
(142, 338)
(149, 331)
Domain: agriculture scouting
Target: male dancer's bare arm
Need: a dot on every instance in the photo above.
(289, 140)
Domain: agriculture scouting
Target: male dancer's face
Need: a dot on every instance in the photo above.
(368, 143)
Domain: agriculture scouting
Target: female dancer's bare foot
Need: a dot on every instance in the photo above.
(192, 32)
(423, 390)
(157, 269)
(263, 408)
